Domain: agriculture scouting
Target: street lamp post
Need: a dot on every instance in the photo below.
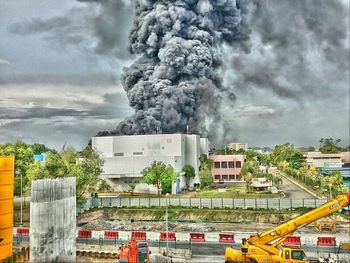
(166, 225)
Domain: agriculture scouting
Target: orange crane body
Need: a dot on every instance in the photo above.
(265, 247)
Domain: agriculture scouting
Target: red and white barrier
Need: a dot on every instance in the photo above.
(292, 241)
(197, 237)
(22, 231)
(227, 237)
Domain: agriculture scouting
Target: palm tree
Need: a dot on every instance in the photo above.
(248, 179)
(277, 180)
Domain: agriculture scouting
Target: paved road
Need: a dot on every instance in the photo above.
(198, 249)
(291, 190)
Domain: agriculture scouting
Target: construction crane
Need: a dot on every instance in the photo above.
(265, 247)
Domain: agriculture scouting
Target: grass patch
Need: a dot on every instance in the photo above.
(236, 191)
(200, 215)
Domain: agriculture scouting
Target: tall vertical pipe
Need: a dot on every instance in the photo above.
(7, 168)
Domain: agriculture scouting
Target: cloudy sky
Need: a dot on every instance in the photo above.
(61, 60)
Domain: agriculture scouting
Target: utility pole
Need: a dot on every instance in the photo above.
(21, 199)
(166, 225)
(18, 172)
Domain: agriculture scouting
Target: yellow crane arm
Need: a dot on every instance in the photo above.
(273, 236)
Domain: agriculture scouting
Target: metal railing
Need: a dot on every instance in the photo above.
(243, 203)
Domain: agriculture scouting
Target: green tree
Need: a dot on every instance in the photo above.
(249, 167)
(39, 148)
(206, 177)
(85, 166)
(189, 173)
(287, 153)
(265, 159)
(248, 180)
(311, 149)
(104, 186)
(87, 170)
(24, 157)
(55, 166)
(330, 145)
(70, 155)
(159, 175)
(205, 162)
(335, 178)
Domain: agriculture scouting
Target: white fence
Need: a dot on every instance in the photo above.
(244, 203)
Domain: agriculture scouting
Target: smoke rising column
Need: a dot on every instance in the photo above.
(176, 77)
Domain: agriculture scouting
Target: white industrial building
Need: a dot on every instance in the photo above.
(126, 156)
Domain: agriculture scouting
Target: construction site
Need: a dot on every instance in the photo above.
(57, 233)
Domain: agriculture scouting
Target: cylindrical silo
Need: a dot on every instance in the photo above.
(7, 167)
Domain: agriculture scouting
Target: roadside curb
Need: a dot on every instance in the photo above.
(299, 185)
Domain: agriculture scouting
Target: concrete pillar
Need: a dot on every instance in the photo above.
(53, 220)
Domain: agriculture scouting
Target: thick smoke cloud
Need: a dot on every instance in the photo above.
(298, 66)
(299, 47)
(178, 69)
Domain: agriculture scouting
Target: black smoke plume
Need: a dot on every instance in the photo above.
(176, 80)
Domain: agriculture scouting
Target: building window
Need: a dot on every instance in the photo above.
(231, 177)
(224, 177)
(118, 154)
(231, 164)
(217, 177)
(238, 177)
(223, 164)
(217, 164)
(238, 164)
(137, 153)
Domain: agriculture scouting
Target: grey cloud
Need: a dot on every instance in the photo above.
(54, 133)
(113, 107)
(4, 61)
(92, 79)
(37, 112)
(100, 28)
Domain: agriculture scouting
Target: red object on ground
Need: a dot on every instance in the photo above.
(292, 241)
(84, 234)
(227, 238)
(134, 252)
(197, 237)
(138, 235)
(171, 236)
(111, 235)
(326, 241)
(22, 231)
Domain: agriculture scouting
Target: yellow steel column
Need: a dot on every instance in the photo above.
(7, 166)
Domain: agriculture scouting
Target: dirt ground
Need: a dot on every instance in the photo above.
(145, 221)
